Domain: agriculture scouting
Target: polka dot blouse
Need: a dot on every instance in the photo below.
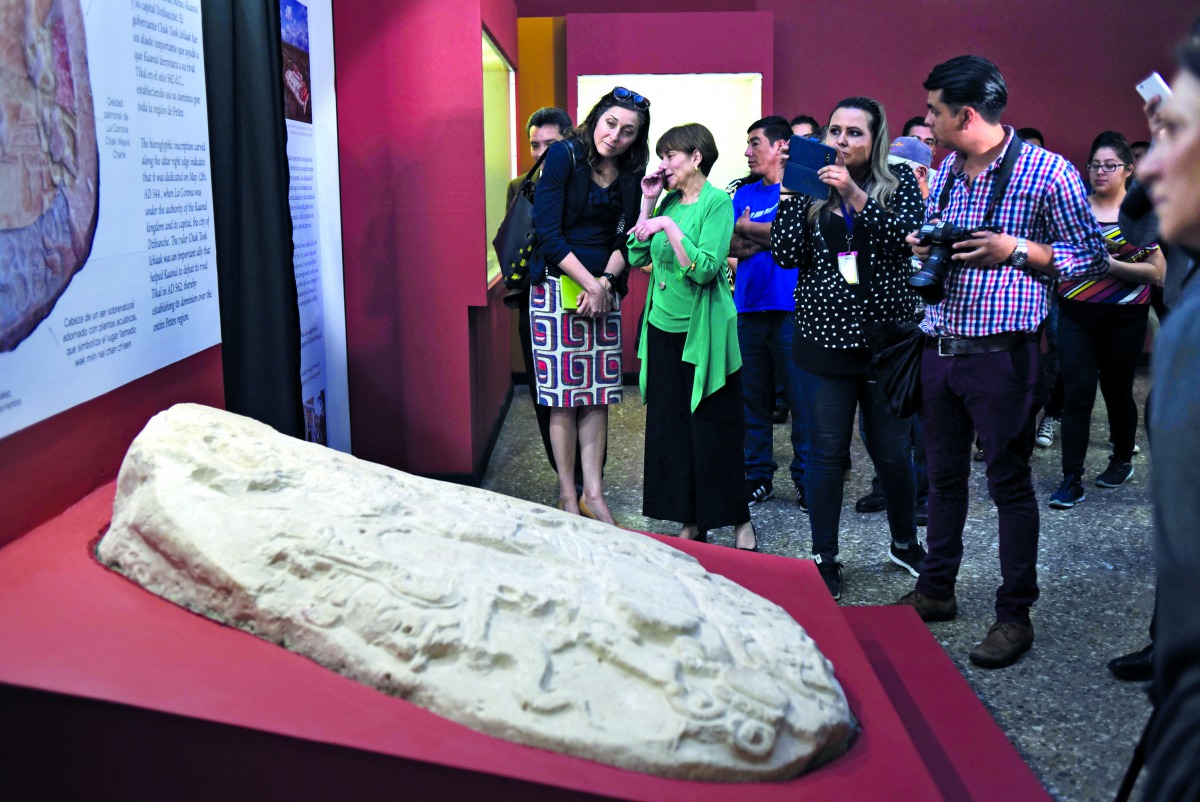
(829, 311)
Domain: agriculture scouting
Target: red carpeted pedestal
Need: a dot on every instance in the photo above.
(112, 692)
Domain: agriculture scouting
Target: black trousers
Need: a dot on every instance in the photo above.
(1106, 348)
(694, 471)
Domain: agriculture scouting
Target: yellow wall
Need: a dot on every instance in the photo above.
(541, 73)
(541, 81)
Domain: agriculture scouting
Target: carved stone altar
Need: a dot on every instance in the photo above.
(524, 622)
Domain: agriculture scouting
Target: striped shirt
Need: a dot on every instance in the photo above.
(1108, 289)
(1045, 203)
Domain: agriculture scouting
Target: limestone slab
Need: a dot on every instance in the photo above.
(521, 621)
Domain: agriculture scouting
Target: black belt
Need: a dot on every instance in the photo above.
(967, 346)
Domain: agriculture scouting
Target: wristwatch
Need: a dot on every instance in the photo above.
(612, 280)
(1020, 254)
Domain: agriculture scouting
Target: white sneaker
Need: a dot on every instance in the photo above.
(1045, 431)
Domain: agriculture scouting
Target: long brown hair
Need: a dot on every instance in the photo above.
(633, 160)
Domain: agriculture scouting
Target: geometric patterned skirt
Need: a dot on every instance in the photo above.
(576, 359)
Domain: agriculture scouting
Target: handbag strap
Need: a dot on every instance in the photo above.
(536, 165)
(999, 185)
(528, 179)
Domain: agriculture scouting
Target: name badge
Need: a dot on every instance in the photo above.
(848, 266)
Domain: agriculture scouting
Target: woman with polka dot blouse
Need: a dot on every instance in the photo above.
(853, 267)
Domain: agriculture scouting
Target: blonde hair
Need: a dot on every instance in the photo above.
(881, 184)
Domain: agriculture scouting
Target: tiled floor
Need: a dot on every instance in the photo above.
(1074, 724)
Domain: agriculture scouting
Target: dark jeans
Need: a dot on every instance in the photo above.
(991, 394)
(1105, 348)
(766, 344)
(830, 402)
(920, 464)
(1048, 394)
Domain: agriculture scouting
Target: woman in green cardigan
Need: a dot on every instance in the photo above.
(690, 377)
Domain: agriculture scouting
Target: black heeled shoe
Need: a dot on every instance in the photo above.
(754, 532)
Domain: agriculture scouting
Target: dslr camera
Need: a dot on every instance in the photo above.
(930, 280)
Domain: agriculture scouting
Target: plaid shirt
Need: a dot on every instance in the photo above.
(1045, 203)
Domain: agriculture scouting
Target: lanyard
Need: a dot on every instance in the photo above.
(848, 216)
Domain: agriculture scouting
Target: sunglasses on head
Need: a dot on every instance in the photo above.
(623, 94)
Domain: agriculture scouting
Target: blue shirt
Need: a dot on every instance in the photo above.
(761, 285)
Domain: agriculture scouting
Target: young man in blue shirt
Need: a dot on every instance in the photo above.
(763, 293)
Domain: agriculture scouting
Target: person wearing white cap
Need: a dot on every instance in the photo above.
(917, 155)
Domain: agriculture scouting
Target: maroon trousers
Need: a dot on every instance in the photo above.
(992, 395)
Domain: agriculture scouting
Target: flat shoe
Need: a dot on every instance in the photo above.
(1135, 667)
(585, 511)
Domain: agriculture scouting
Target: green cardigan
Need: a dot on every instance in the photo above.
(712, 341)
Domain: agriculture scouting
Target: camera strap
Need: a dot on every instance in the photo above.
(999, 183)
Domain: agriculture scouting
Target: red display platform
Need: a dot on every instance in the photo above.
(73, 631)
(961, 745)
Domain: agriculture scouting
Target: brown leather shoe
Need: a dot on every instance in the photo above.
(930, 609)
(1005, 642)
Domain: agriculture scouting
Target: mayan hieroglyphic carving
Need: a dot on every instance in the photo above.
(518, 620)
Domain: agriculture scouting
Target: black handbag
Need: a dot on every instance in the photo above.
(514, 241)
(896, 350)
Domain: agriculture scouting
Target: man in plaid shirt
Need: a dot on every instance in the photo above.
(980, 365)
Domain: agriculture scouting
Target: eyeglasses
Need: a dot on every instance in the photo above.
(1097, 167)
(623, 94)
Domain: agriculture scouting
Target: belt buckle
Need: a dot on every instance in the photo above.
(942, 343)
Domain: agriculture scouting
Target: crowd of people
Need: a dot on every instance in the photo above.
(761, 297)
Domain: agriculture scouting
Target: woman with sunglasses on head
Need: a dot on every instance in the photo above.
(689, 349)
(1102, 329)
(586, 198)
(854, 266)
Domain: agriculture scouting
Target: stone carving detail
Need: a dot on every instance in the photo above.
(518, 620)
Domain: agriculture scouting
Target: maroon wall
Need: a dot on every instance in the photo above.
(1071, 66)
(599, 44)
(491, 372)
(410, 128)
(49, 466)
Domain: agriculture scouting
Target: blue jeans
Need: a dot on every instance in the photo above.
(766, 344)
(920, 466)
(831, 402)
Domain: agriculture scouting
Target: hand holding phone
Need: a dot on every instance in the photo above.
(805, 159)
(1153, 85)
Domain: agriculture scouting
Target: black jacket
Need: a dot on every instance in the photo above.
(559, 200)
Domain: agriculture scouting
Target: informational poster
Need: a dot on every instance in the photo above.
(107, 265)
(309, 106)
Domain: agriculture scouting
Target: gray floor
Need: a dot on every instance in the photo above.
(1072, 722)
